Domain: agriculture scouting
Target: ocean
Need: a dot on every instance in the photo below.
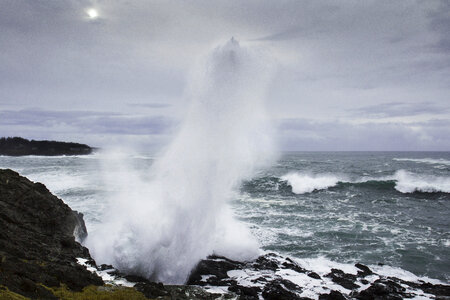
(389, 208)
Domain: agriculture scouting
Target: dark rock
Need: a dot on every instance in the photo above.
(105, 267)
(435, 289)
(343, 279)
(260, 279)
(151, 289)
(333, 295)
(314, 275)
(293, 266)
(383, 289)
(281, 290)
(265, 263)
(364, 270)
(186, 292)
(135, 278)
(363, 281)
(37, 243)
(17, 146)
(247, 293)
(216, 266)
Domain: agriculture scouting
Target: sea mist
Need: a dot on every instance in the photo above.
(161, 226)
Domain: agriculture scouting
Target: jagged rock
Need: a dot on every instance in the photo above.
(314, 275)
(290, 264)
(333, 295)
(265, 263)
(383, 289)
(150, 289)
(37, 243)
(364, 270)
(436, 289)
(105, 267)
(343, 279)
(281, 290)
(245, 293)
(214, 266)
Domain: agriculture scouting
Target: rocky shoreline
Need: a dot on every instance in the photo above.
(41, 258)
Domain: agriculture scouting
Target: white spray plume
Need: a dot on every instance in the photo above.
(161, 227)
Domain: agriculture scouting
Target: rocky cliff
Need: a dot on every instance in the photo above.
(37, 243)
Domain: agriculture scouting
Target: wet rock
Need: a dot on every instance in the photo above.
(135, 278)
(105, 267)
(333, 295)
(247, 293)
(363, 270)
(436, 289)
(185, 292)
(314, 275)
(343, 279)
(214, 266)
(37, 243)
(265, 263)
(383, 289)
(281, 290)
(293, 266)
(363, 281)
(151, 289)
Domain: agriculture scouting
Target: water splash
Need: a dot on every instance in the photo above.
(160, 228)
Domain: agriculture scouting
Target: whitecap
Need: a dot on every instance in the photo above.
(304, 183)
(408, 182)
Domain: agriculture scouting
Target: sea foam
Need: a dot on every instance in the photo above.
(160, 225)
(305, 183)
(408, 182)
(405, 182)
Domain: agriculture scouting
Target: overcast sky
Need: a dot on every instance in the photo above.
(351, 75)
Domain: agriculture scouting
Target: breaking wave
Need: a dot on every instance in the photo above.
(408, 182)
(303, 183)
(402, 181)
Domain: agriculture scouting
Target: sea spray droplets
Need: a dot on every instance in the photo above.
(161, 229)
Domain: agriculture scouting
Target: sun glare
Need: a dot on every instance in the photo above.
(92, 13)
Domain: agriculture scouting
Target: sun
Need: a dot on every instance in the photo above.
(92, 13)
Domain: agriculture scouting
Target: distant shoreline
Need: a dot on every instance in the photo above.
(17, 146)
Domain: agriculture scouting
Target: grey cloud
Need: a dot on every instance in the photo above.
(304, 134)
(150, 105)
(291, 33)
(88, 122)
(440, 23)
(400, 109)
